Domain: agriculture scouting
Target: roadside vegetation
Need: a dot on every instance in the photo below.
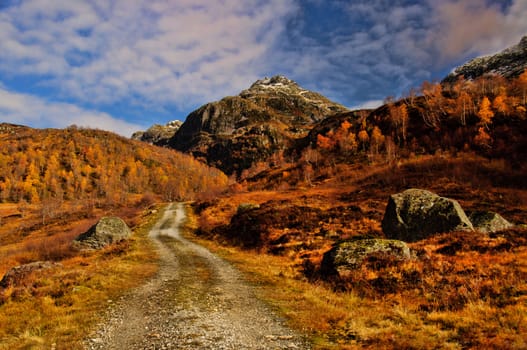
(462, 290)
(58, 307)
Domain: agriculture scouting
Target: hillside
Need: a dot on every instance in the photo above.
(38, 165)
(509, 63)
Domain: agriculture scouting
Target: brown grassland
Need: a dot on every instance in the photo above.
(463, 290)
(57, 307)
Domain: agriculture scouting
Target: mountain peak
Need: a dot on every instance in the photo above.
(238, 131)
(276, 81)
(158, 134)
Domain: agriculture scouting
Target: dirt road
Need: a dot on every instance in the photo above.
(196, 301)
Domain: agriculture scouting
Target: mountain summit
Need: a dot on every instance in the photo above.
(238, 131)
(508, 63)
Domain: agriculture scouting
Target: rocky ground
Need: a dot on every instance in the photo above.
(196, 301)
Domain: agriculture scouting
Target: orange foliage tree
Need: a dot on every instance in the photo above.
(485, 112)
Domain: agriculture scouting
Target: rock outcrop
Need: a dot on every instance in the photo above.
(509, 63)
(237, 131)
(158, 135)
(107, 231)
(350, 255)
(16, 274)
(416, 214)
(489, 221)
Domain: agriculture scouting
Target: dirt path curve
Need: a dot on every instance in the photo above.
(196, 301)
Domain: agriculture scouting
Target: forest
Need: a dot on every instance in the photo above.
(51, 166)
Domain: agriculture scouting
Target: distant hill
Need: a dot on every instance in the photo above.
(236, 132)
(73, 163)
(508, 63)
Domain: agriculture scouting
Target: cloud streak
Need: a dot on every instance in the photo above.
(461, 28)
(27, 109)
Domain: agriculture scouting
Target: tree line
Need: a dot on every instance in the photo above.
(460, 114)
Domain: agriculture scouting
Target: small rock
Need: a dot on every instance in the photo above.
(243, 207)
(350, 255)
(489, 221)
(16, 274)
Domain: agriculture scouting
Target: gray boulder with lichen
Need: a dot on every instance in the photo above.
(16, 274)
(107, 231)
(352, 254)
(489, 221)
(416, 214)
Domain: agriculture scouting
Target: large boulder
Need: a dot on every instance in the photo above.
(352, 254)
(107, 231)
(489, 221)
(16, 275)
(416, 214)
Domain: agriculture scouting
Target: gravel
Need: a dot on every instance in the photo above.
(196, 301)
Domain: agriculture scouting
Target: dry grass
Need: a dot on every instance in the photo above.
(59, 306)
(462, 291)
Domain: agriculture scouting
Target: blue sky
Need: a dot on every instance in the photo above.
(125, 65)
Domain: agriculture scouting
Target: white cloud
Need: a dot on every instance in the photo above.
(167, 52)
(26, 109)
(463, 28)
(387, 47)
(368, 105)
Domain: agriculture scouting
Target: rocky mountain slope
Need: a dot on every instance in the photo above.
(508, 63)
(158, 134)
(238, 131)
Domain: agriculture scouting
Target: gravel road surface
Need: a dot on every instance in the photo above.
(196, 301)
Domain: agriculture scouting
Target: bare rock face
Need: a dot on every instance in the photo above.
(488, 221)
(509, 63)
(237, 131)
(416, 214)
(16, 274)
(107, 231)
(158, 135)
(350, 255)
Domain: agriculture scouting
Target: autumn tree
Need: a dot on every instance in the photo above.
(485, 112)
(435, 103)
(521, 82)
(399, 119)
(377, 138)
(483, 139)
(363, 138)
(500, 103)
(326, 142)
